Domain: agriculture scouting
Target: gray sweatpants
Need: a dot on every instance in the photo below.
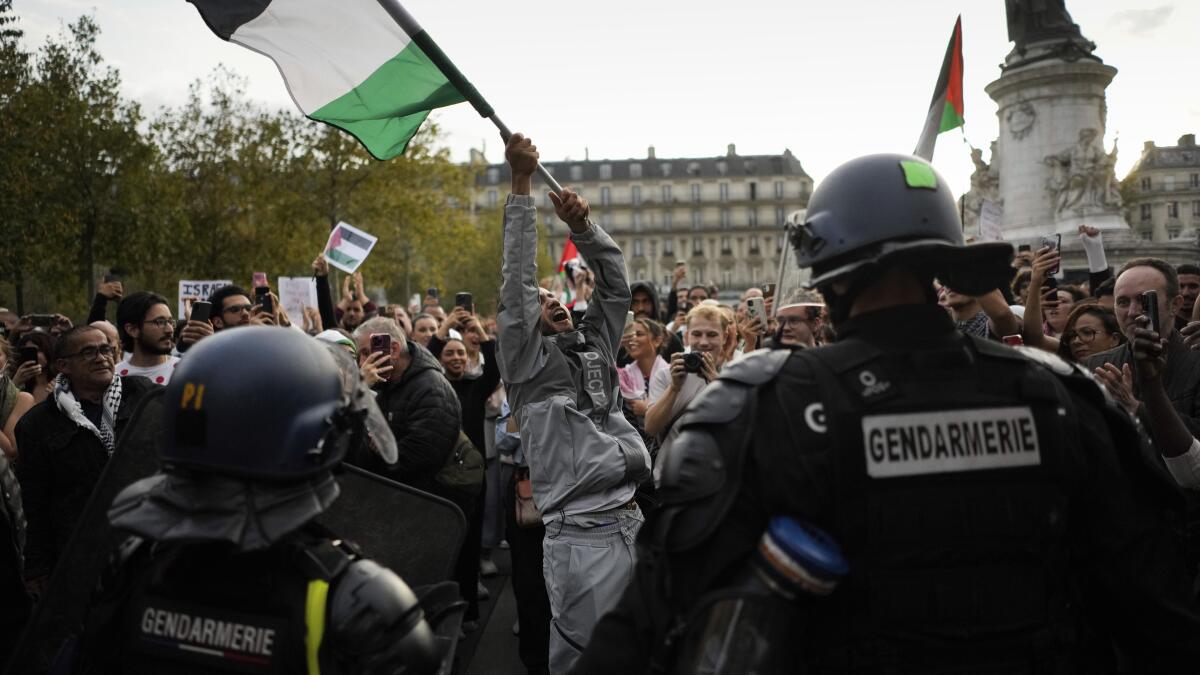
(586, 570)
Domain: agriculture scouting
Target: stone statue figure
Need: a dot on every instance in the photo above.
(1083, 177)
(985, 186)
(1038, 20)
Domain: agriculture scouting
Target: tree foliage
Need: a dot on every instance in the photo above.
(217, 187)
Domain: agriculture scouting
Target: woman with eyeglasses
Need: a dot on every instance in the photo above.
(1090, 329)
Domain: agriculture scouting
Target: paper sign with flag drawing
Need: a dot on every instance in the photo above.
(348, 247)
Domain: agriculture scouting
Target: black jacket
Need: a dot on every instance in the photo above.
(424, 415)
(473, 393)
(671, 344)
(58, 465)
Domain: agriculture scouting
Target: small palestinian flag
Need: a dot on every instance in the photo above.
(946, 109)
(347, 63)
(570, 255)
(348, 247)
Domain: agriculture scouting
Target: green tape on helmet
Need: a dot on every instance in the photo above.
(919, 175)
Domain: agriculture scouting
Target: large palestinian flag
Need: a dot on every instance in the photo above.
(349, 63)
(946, 109)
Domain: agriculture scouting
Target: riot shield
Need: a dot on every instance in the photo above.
(60, 612)
(414, 533)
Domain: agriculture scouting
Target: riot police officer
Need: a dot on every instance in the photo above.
(226, 570)
(997, 512)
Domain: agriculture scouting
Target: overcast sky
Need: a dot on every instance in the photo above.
(830, 80)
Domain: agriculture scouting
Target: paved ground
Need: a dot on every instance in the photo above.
(492, 648)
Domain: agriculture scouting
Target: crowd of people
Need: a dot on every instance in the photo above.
(575, 406)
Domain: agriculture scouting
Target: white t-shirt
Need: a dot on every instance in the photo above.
(160, 374)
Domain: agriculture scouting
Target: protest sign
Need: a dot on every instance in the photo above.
(296, 293)
(990, 216)
(190, 291)
(348, 247)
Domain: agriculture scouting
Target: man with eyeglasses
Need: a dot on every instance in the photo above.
(65, 442)
(799, 322)
(148, 333)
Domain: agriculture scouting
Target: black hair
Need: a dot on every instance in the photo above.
(62, 348)
(1105, 288)
(133, 309)
(218, 297)
(1106, 316)
(1187, 268)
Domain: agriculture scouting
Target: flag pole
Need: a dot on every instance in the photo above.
(435, 54)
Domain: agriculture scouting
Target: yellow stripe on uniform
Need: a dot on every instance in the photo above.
(314, 620)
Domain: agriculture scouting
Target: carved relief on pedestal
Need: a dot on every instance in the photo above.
(1020, 119)
(1083, 178)
(985, 186)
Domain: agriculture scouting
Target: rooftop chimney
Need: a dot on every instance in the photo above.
(1188, 140)
(477, 157)
(1148, 145)
(650, 152)
(731, 150)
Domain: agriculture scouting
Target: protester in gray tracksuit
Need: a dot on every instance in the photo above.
(585, 460)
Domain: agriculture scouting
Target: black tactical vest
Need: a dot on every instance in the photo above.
(205, 609)
(951, 503)
(940, 472)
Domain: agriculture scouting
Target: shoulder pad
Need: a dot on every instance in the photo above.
(1052, 362)
(756, 367)
(693, 468)
(376, 622)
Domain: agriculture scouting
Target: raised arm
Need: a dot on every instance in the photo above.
(609, 303)
(519, 312)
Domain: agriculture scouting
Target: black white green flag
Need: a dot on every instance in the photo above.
(348, 63)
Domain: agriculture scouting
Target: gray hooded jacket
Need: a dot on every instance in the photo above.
(584, 457)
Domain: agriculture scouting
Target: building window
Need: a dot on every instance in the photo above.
(753, 191)
(725, 248)
(606, 220)
(635, 170)
(752, 217)
(779, 216)
(1173, 232)
(1196, 209)
(722, 167)
(492, 198)
(666, 194)
(1196, 180)
(1147, 234)
(778, 189)
(667, 220)
(778, 243)
(605, 196)
(668, 247)
(724, 219)
(697, 246)
(493, 176)
(1172, 209)
(754, 250)
(693, 168)
(577, 172)
(635, 195)
(1146, 184)
(637, 221)
(724, 187)
(666, 168)
(606, 172)
(695, 193)
(639, 249)
(697, 221)
(1145, 212)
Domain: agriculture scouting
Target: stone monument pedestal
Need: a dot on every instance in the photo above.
(1049, 153)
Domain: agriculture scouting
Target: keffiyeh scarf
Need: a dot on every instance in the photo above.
(71, 407)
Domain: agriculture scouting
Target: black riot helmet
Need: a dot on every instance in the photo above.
(883, 209)
(261, 403)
